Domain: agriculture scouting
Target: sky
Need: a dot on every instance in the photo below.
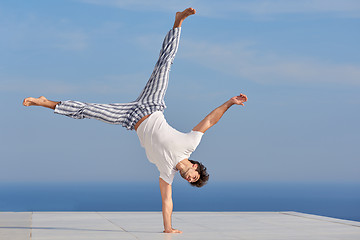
(297, 61)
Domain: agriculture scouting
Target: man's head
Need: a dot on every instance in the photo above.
(196, 175)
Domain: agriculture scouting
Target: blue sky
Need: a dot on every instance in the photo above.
(298, 62)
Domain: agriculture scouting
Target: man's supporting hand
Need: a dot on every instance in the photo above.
(172, 231)
(239, 100)
(167, 206)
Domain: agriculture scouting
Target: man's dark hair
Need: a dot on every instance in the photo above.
(204, 176)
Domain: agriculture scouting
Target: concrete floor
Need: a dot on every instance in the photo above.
(195, 225)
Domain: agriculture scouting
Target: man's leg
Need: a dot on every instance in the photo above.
(154, 91)
(116, 113)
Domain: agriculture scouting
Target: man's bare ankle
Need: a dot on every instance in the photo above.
(181, 16)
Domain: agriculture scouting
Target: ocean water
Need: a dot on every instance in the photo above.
(339, 200)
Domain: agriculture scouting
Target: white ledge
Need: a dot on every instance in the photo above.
(195, 225)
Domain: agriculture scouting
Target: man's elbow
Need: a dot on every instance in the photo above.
(213, 122)
(209, 122)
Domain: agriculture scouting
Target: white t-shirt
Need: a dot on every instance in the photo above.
(165, 146)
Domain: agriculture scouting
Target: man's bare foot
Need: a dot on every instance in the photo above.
(184, 14)
(30, 101)
(180, 16)
(40, 101)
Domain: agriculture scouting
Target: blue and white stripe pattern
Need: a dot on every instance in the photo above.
(150, 100)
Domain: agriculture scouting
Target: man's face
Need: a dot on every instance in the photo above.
(190, 175)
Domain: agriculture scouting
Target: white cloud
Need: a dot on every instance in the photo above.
(71, 40)
(114, 84)
(29, 32)
(235, 8)
(241, 60)
(294, 6)
(141, 5)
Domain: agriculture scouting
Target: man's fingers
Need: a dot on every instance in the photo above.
(239, 100)
(243, 96)
(172, 231)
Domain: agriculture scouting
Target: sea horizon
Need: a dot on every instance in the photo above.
(330, 199)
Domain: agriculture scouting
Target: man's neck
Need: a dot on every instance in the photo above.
(183, 164)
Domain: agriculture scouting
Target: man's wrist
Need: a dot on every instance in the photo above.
(229, 103)
(167, 226)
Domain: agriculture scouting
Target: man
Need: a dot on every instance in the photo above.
(166, 147)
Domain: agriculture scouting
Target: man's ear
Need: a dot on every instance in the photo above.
(195, 165)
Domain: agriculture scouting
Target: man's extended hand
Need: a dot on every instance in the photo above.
(239, 100)
(172, 231)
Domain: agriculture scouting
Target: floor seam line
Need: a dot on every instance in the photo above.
(31, 224)
(117, 225)
(347, 224)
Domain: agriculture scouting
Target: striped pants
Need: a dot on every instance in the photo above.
(150, 100)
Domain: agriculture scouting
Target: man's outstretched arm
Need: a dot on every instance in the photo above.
(167, 206)
(211, 119)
